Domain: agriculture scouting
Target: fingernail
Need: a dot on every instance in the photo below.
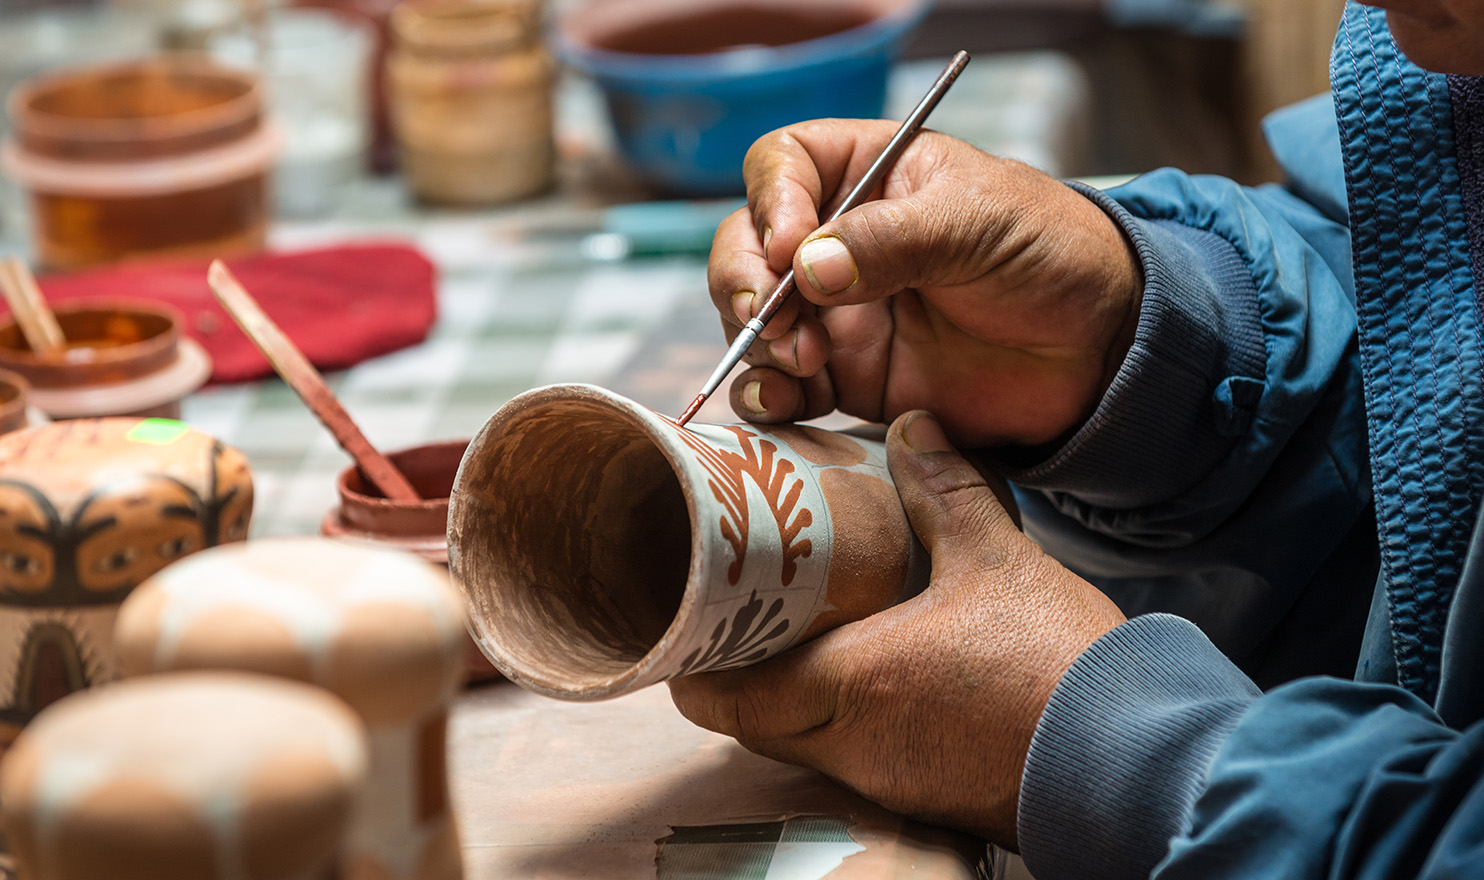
(828, 264)
(785, 350)
(767, 237)
(742, 305)
(923, 434)
(752, 397)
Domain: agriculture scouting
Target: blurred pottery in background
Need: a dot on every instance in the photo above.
(602, 548)
(318, 72)
(15, 403)
(690, 86)
(382, 630)
(122, 359)
(184, 777)
(88, 509)
(366, 516)
(378, 14)
(469, 86)
(165, 156)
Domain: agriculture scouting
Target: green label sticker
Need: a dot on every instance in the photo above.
(157, 431)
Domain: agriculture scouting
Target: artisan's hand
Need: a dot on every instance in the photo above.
(927, 708)
(976, 288)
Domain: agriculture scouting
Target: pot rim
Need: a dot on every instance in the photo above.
(646, 670)
(771, 62)
(233, 111)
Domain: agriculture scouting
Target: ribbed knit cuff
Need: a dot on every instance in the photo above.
(1123, 748)
(1188, 386)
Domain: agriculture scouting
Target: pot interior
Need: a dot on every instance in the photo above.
(574, 542)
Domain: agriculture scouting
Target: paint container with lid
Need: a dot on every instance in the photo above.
(164, 156)
(122, 358)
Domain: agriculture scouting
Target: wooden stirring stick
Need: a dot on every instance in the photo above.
(36, 320)
(301, 376)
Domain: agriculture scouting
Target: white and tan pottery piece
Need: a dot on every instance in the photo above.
(382, 629)
(88, 509)
(194, 776)
(602, 548)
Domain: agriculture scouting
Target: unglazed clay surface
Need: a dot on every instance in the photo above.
(602, 548)
(184, 777)
(88, 509)
(381, 629)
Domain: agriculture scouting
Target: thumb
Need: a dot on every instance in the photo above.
(952, 509)
(884, 246)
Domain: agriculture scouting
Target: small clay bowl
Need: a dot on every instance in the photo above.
(123, 358)
(14, 391)
(367, 515)
(420, 527)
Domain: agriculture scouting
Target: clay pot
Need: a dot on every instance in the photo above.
(122, 358)
(366, 516)
(186, 776)
(381, 629)
(602, 548)
(164, 156)
(469, 85)
(88, 509)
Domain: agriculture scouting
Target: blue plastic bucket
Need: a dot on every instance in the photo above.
(685, 121)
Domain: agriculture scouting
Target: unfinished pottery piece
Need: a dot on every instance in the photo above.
(88, 509)
(184, 777)
(365, 515)
(602, 548)
(122, 359)
(381, 629)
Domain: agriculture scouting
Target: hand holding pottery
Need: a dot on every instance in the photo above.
(977, 288)
(927, 708)
(602, 548)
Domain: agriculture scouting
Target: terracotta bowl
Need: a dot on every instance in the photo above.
(366, 515)
(123, 358)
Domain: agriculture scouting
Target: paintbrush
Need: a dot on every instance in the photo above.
(786, 287)
(300, 374)
(37, 322)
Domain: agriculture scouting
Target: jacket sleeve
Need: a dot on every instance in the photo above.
(1224, 474)
(1155, 757)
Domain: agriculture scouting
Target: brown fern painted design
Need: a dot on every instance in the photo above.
(760, 462)
(740, 640)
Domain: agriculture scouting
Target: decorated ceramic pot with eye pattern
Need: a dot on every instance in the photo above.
(89, 508)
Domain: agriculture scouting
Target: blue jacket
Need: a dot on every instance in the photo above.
(1292, 459)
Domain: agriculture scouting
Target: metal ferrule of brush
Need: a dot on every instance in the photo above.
(735, 353)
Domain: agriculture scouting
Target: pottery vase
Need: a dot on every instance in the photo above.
(602, 548)
(381, 629)
(88, 509)
(185, 777)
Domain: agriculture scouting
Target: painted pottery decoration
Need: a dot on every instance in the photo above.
(602, 548)
(88, 509)
(382, 629)
(185, 777)
(365, 515)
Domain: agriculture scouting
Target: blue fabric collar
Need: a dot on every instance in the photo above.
(1419, 331)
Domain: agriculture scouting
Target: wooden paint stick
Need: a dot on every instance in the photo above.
(306, 381)
(35, 318)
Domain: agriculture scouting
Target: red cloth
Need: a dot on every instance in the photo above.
(340, 305)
